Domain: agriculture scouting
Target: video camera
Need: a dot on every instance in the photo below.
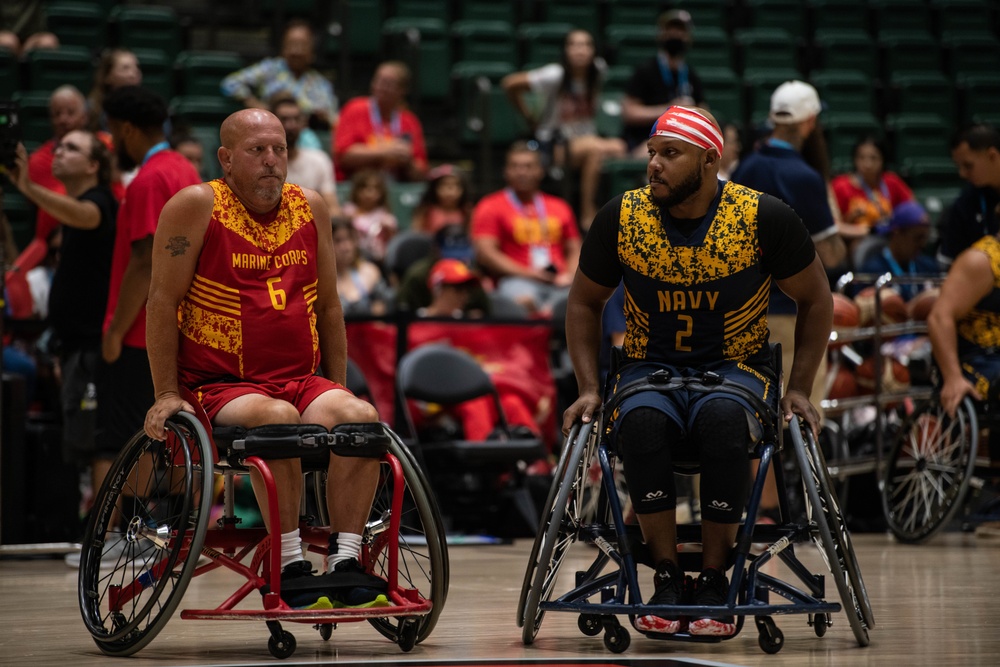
(10, 133)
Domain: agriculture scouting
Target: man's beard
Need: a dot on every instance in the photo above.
(681, 192)
(125, 161)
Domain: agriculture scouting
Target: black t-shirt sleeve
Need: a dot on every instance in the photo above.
(786, 247)
(599, 253)
(105, 202)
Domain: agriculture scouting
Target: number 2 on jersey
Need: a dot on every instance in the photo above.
(681, 335)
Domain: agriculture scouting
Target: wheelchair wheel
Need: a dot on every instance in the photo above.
(928, 469)
(423, 551)
(560, 529)
(830, 534)
(157, 489)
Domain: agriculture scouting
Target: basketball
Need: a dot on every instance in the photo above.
(846, 313)
(843, 385)
(920, 306)
(893, 306)
(895, 376)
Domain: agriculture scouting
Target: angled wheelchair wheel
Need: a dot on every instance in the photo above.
(928, 470)
(560, 529)
(423, 551)
(148, 524)
(830, 533)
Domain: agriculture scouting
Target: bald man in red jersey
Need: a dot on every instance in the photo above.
(248, 263)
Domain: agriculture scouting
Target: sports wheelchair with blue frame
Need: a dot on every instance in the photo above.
(609, 587)
(161, 493)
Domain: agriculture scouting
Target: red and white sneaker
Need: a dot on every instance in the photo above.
(669, 589)
(710, 590)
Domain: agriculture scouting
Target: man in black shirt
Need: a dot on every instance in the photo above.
(697, 257)
(976, 153)
(661, 81)
(79, 291)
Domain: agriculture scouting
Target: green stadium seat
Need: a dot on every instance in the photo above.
(918, 136)
(483, 105)
(936, 200)
(484, 41)
(844, 128)
(488, 10)
(980, 95)
(208, 136)
(759, 84)
(630, 44)
(78, 24)
(712, 47)
(632, 12)
(195, 110)
(577, 13)
(938, 173)
(21, 214)
(617, 78)
(157, 71)
(622, 174)
(542, 42)
(839, 15)
(971, 53)
(845, 90)
(422, 9)
(909, 51)
(49, 69)
(787, 15)
(766, 48)
(900, 15)
(706, 13)
(147, 27)
(424, 44)
(928, 92)
(724, 94)
(967, 16)
(845, 49)
(33, 114)
(403, 199)
(355, 19)
(201, 72)
(609, 115)
(10, 78)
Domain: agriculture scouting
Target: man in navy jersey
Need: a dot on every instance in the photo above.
(697, 257)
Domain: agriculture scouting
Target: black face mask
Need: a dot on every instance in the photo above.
(674, 46)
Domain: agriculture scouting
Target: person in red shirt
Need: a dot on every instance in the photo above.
(526, 239)
(378, 132)
(243, 310)
(867, 197)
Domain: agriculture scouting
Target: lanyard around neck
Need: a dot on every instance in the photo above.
(395, 121)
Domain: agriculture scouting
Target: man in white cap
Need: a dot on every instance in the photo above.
(778, 169)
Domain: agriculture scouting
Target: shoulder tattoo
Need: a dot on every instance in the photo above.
(178, 245)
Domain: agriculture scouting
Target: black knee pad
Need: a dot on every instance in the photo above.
(722, 432)
(721, 429)
(644, 431)
(644, 440)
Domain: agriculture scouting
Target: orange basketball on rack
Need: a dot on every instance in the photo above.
(920, 306)
(893, 306)
(846, 313)
(843, 385)
(895, 376)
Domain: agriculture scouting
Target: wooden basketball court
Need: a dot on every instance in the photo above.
(935, 604)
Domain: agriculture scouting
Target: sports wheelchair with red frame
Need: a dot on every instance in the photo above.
(609, 586)
(157, 499)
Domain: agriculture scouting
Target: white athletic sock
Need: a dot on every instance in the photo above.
(291, 547)
(348, 546)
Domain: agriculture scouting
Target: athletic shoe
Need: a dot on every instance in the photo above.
(669, 590)
(300, 589)
(117, 550)
(711, 590)
(355, 588)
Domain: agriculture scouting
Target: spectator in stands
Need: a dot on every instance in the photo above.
(292, 72)
(566, 128)
(359, 281)
(526, 239)
(368, 209)
(778, 168)
(662, 81)
(379, 132)
(118, 68)
(68, 112)
(79, 287)
(190, 147)
(14, 358)
(976, 152)
(450, 242)
(451, 283)
(135, 118)
(906, 232)
(867, 197)
(446, 201)
(307, 167)
(730, 151)
(23, 27)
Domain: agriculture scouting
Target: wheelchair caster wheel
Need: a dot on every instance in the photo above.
(771, 639)
(408, 635)
(325, 631)
(284, 648)
(820, 623)
(617, 639)
(589, 624)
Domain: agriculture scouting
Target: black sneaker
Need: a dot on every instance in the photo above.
(300, 589)
(355, 588)
(711, 590)
(669, 583)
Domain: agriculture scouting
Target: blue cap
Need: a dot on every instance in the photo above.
(908, 214)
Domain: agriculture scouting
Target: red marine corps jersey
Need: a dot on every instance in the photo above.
(249, 311)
